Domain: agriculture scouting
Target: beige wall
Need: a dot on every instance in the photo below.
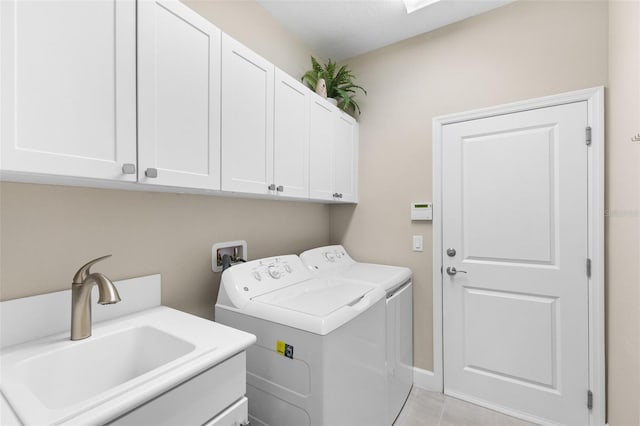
(623, 219)
(47, 232)
(523, 50)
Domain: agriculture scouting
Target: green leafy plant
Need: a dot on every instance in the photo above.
(339, 83)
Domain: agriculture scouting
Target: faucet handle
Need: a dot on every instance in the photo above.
(84, 272)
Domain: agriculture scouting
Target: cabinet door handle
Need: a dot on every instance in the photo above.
(128, 169)
(280, 188)
(335, 195)
(272, 187)
(151, 172)
(341, 195)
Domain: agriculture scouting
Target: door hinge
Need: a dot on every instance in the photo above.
(588, 268)
(588, 135)
(589, 400)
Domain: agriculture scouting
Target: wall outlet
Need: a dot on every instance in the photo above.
(236, 249)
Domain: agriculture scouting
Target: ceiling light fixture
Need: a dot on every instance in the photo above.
(413, 5)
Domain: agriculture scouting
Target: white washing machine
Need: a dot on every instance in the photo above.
(335, 262)
(319, 358)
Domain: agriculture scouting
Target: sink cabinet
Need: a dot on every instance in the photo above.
(214, 397)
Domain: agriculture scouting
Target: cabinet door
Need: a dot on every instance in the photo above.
(68, 87)
(291, 137)
(321, 135)
(178, 96)
(247, 119)
(345, 158)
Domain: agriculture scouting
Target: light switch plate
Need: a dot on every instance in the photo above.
(418, 243)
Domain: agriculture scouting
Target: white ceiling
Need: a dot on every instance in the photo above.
(341, 29)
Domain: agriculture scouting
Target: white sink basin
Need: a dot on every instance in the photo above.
(97, 365)
(125, 363)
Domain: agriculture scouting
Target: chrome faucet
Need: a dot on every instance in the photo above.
(83, 282)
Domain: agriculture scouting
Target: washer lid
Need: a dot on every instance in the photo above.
(317, 297)
(387, 277)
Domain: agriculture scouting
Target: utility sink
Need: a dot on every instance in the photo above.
(78, 372)
(125, 363)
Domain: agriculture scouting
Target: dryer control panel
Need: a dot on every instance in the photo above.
(326, 258)
(242, 282)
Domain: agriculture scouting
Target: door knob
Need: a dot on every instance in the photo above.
(451, 252)
(272, 187)
(128, 169)
(280, 188)
(451, 270)
(151, 173)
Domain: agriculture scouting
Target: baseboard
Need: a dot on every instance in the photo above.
(425, 379)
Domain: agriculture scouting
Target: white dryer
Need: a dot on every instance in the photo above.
(334, 262)
(319, 358)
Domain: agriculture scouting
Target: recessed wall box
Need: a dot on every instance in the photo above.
(236, 249)
(422, 211)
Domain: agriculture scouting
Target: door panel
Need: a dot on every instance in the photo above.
(68, 87)
(291, 137)
(345, 154)
(516, 312)
(321, 135)
(247, 119)
(179, 96)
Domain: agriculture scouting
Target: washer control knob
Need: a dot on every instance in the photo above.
(330, 256)
(257, 276)
(287, 268)
(274, 272)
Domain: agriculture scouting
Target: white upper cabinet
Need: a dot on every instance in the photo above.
(68, 88)
(333, 159)
(345, 158)
(321, 135)
(247, 119)
(291, 137)
(179, 55)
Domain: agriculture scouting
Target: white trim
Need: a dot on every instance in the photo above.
(500, 408)
(425, 379)
(595, 105)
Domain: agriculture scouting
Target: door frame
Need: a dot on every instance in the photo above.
(596, 208)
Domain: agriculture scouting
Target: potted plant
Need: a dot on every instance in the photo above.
(338, 82)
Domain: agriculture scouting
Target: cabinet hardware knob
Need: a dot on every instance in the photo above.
(280, 188)
(151, 172)
(128, 169)
(272, 187)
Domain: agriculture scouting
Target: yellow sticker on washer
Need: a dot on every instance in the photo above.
(284, 349)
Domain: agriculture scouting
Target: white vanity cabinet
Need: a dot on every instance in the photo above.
(68, 88)
(247, 119)
(179, 56)
(291, 137)
(333, 160)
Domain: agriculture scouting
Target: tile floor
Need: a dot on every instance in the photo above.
(424, 408)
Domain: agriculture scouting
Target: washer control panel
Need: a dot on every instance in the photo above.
(254, 278)
(326, 258)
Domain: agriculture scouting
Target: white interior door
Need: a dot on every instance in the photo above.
(515, 212)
